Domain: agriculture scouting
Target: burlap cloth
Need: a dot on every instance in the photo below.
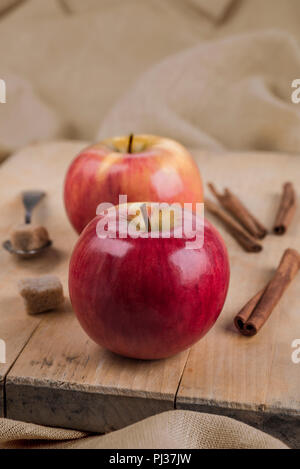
(169, 430)
(25, 111)
(5, 5)
(217, 79)
(233, 93)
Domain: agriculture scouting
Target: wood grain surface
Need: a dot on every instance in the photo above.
(80, 385)
(55, 375)
(33, 168)
(62, 378)
(252, 379)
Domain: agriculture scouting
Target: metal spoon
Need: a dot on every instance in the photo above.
(30, 200)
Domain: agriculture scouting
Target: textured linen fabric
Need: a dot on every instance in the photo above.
(233, 93)
(6, 4)
(169, 430)
(19, 125)
(215, 9)
(80, 64)
(82, 59)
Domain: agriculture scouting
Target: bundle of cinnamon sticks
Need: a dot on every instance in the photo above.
(242, 224)
(248, 231)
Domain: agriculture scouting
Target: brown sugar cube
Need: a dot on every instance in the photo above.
(41, 294)
(29, 237)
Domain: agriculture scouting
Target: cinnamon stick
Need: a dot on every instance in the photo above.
(245, 240)
(232, 204)
(286, 209)
(257, 311)
(245, 313)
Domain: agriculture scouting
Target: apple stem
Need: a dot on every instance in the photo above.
(130, 141)
(146, 217)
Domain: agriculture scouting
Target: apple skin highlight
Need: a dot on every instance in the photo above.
(158, 169)
(147, 298)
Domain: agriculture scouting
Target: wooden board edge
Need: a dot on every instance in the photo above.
(282, 425)
(88, 388)
(79, 410)
(3, 376)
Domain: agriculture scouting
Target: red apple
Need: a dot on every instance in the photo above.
(143, 168)
(147, 298)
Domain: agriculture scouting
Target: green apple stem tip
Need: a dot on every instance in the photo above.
(130, 141)
(146, 217)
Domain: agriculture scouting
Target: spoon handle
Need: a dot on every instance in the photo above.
(30, 200)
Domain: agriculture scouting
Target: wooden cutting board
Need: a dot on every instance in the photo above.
(55, 375)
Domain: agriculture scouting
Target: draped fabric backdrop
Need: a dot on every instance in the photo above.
(214, 74)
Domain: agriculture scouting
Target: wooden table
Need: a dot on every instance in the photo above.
(55, 375)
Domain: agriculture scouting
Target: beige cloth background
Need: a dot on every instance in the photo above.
(82, 59)
(5, 5)
(233, 93)
(175, 429)
(25, 111)
(206, 72)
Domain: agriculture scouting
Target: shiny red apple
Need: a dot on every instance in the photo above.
(144, 167)
(147, 298)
